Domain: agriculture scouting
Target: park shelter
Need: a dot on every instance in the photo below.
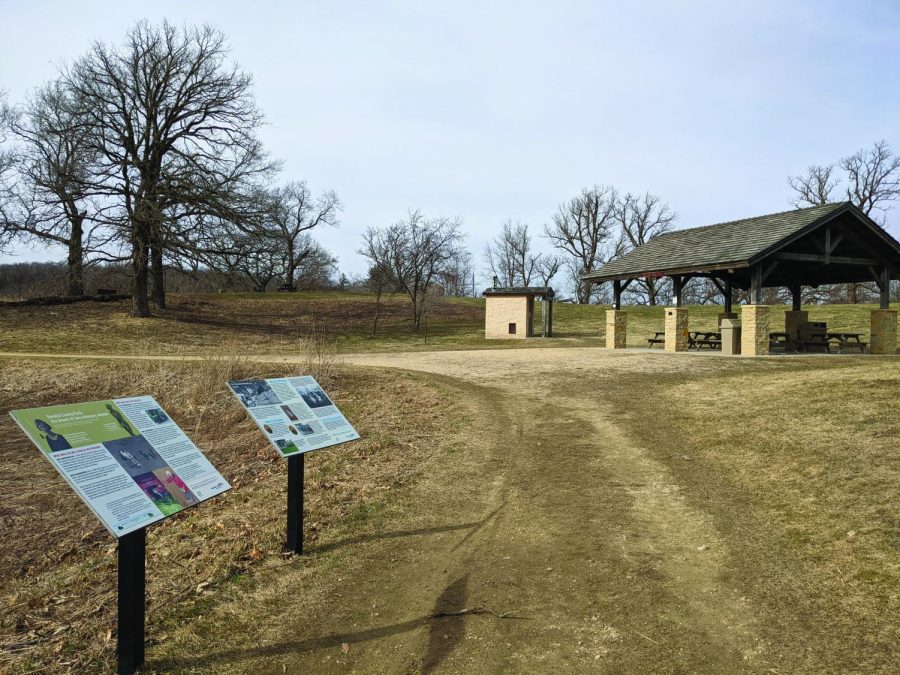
(509, 312)
(827, 244)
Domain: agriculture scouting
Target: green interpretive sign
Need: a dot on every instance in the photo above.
(129, 462)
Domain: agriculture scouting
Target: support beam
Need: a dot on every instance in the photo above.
(884, 287)
(824, 259)
(729, 296)
(796, 297)
(550, 317)
(617, 294)
(677, 288)
(544, 316)
(756, 281)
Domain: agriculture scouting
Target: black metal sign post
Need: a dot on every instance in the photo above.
(132, 578)
(295, 504)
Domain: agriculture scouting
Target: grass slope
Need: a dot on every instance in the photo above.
(273, 323)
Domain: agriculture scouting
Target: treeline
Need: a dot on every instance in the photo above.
(19, 281)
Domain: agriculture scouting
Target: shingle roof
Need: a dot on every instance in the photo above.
(710, 246)
(520, 290)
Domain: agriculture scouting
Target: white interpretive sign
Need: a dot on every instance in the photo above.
(126, 458)
(294, 413)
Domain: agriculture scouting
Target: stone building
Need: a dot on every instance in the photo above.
(509, 312)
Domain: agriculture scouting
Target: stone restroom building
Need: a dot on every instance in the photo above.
(509, 312)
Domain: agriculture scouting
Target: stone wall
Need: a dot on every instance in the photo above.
(500, 311)
(755, 330)
(883, 325)
(616, 328)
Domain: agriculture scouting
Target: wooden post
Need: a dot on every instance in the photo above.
(131, 602)
(677, 287)
(796, 298)
(756, 285)
(884, 297)
(617, 294)
(550, 318)
(543, 316)
(295, 504)
(728, 295)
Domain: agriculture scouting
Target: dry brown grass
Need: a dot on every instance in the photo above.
(57, 564)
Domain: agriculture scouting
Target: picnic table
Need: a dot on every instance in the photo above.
(847, 341)
(781, 342)
(699, 339)
(659, 338)
(815, 341)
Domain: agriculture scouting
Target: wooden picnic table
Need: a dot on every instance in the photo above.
(704, 338)
(659, 338)
(779, 341)
(815, 341)
(847, 341)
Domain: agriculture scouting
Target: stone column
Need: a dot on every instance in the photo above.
(676, 329)
(884, 331)
(793, 320)
(755, 330)
(616, 326)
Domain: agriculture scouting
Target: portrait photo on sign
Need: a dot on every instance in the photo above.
(254, 393)
(314, 397)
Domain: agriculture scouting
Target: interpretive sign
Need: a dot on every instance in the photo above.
(129, 462)
(294, 413)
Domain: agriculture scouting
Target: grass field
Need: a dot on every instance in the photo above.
(278, 323)
(632, 510)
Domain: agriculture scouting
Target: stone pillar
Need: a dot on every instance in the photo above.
(755, 330)
(883, 331)
(793, 320)
(616, 326)
(676, 329)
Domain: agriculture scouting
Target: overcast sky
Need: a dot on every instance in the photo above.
(490, 110)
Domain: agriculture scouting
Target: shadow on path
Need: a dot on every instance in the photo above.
(473, 527)
(451, 599)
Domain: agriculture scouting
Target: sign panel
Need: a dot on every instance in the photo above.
(294, 413)
(129, 462)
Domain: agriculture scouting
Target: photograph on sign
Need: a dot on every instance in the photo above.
(295, 414)
(126, 458)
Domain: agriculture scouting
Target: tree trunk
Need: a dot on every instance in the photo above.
(158, 274)
(75, 261)
(140, 306)
(377, 312)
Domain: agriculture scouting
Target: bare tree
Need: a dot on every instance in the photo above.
(870, 180)
(7, 177)
(509, 255)
(547, 267)
(54, 164)
(415, 252)
(816, 187)
(174, 132)
(293, 214)
(457, 275)
(641, 218)
(873, 179)
(584, 229)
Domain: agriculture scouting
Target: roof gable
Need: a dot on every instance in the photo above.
(730, 244)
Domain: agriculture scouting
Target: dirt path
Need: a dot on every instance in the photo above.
(543, 513)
